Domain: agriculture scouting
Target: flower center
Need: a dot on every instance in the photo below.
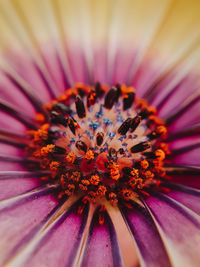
(100, 142)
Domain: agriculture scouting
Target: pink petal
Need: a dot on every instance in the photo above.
(101, 248)
(179, 228)
(19, 216)
(150, 246)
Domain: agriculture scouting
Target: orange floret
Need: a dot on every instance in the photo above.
(89, 155)
(95, 179)
(47, 149)
(71, 157)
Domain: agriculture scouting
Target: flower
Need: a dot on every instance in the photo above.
(99, 132)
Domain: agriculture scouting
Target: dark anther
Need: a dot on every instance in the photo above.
(121, 151)
(140, 147)
(57, 118)
(81, 92)
(59, 150)
(112, 153)
(135, 122)
(110, 98)
(91, 99)
(80, 108)
(62, 108)
(99, 138)
(81, 146)
(128, 100)
(153, 135)
(72, 124)
(52, 135)
(145, 113)
(150, 155)
(123, 129)
(98, 90)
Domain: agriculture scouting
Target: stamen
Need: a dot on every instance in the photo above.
(128, 100)
(140, 147)
(123, 129)
(80, 108)
(81, 146)
(99, 138)
(111, 97)
(134, 123)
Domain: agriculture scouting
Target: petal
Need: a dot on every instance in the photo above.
(18, 216)
(57, 242)
(185, 195)
(150, 246)
(179, 228)
(185, 151)
(101, 248)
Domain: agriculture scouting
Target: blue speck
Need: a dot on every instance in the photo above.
(119, 118)
(124, 144)
(111, 135)
(122, 137)
(94, 125)
(107, 121)
(99, 114)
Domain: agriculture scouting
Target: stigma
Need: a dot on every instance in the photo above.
(100, 142)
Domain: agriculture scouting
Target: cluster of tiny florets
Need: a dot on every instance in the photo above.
(100, 142)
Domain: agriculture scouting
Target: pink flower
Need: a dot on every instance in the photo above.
(99, 174)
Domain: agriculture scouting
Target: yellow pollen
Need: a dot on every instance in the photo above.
(161, 130)
(54, 165)
(135, 173)
(47, 149)
(149, 175)
(126, 193)
(101, 191)
(144, 164)
(95, 179)
(160, 154)
(75, 176)
(89, 155)
(71, 157)
(113, 198)
(70, 189)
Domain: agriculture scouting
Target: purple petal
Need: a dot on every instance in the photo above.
(25, 66)
(190, 157)
(185, 151)
(188, 180)
(56, 240)
(9, 150)
(20, 217)
(179, 228)
(12, 94)
(186, 115)
(101, 248)
(185, 195)
(54, 66)
(16, 113)
(13, 187)
(150, 246)
(11, 124)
